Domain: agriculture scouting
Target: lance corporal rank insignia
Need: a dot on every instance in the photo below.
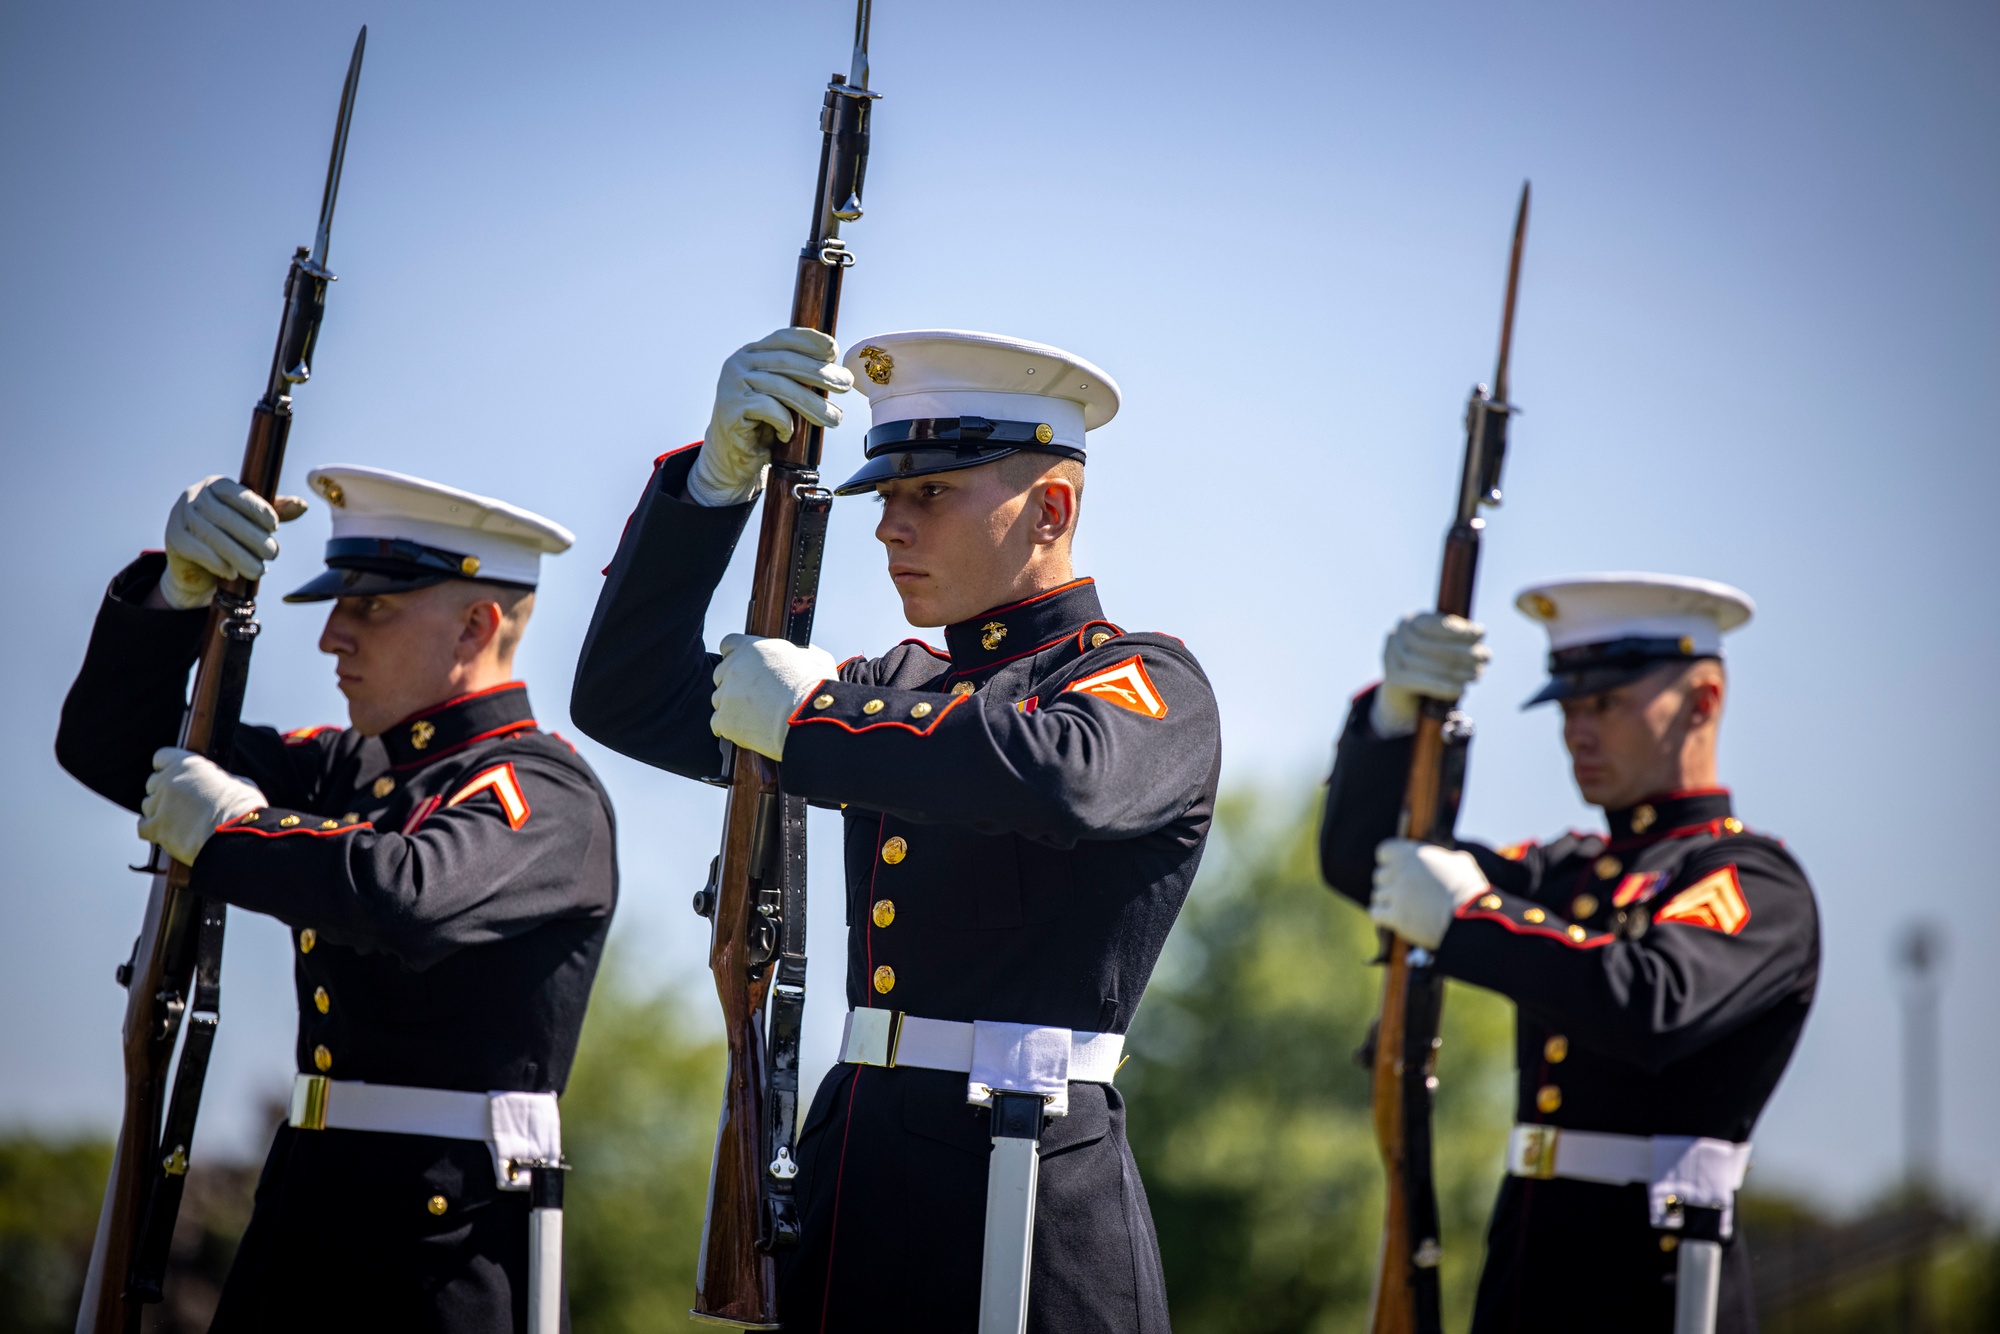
(1127, 686)
(1714, 901)
(501, 782)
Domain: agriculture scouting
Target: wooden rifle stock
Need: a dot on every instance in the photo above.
(756, 898)
(172, 981)
(1404, 1062)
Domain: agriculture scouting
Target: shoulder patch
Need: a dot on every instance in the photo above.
(299, 736)
(1127, 686)
(1515, 852)
(1715, 901)
(505, 787)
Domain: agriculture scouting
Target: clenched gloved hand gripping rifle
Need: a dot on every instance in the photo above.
(1405, 1037)
(756, 894)
(173, 979)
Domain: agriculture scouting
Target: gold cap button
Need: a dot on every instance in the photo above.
(885, 979)
(1577, 933)
(1607, 867)
(288, 821)
(307, 939)
(1669, 1243)
(895, 849)
(1547, 1098)
(1556, 1050)
(1643, 816)
(437, 1205)
(322, 1058)
(469, 566)
(920, 710)
(1582, 906)
(1489, 901)
(1534, 915)
(823, 701)
(383, 786)
(872, 706)
(1044, 433)
(962, 688)
(885, 912)
(321, 1001)
(1100, 639)
(1732, 825)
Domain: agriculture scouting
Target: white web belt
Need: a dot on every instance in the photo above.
(520, 1130)
(1677, 1170)
(1013, 1058)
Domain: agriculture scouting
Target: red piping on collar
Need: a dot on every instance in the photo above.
(1682, 831)
(526, 724)
(942, 655)
(1026, 602)
(1683, 793)
(460, 699)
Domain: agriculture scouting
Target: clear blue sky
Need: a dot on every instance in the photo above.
(1757, 343)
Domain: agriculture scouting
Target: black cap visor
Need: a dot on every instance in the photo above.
(1592, 669)
(945, 444)
(370, 566)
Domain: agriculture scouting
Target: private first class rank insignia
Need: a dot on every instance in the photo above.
(1127, 686)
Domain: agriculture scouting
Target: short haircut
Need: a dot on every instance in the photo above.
(517, 604)
(1024, 467)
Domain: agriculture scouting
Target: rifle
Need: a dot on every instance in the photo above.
(1405, 1039)
(179, 949)
(756, 893)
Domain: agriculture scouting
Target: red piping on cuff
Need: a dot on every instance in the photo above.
(1530, 929)
(237, 826)
(796, 721)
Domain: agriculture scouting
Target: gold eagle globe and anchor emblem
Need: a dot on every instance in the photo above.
(878, 363)
(421, 734)
(990, 635)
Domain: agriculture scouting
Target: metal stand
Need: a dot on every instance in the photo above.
(1011, 1176)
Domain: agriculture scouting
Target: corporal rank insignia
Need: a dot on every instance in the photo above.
(1714, 901)
(1127, 686)
(501, 782)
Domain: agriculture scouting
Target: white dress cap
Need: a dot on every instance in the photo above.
(1609, 629)
(490, 539)
(922, 382)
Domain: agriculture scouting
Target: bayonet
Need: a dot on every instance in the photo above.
(337, 158)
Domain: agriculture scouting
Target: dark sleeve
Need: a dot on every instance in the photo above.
(1364, 801)
(1075, 764)
(644, 679)
(518, 843)
(131, 691)
(1728, 938)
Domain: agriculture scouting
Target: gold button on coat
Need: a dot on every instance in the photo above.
(873, 706)
(437, 1205)
(1577, 933)
(329, 824)
(288, 821)
(1534, 915)
(962, 688)
(895, 849)
(1669, 1243)
(321, 1001)
(307, 939)
(383, 786)
(1582, 906)
(1607, 867)
(885, 979)
(322, 1058)
(1489, 901)
(1556, 1050)
(884, 912)
(1547, 1098)
(1100, 639)
(920, 710)
(823, 702)
(1732, 825)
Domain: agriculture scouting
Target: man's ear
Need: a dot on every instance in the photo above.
(1053, 500)
(478, 627)
(1704, 700)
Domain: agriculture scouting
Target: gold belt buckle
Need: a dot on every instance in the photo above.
(1537, 1157)
(312, 1107)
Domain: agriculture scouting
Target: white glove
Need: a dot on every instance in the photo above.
(761, 385)
(1418, 886)
(1429, 654)
(220, 529)
(759, 683)
(187, 797)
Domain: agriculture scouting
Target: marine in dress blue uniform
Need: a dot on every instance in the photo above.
(1661, 970)
(448, 883)
(1024, 809)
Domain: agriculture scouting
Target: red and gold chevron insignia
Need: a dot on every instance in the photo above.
(1515, 852)
(1127, 686)
(501, 782)
(300, 735)
(1714, 901)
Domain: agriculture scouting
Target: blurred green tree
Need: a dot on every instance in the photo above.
(1249, 1117)
(49, 1192)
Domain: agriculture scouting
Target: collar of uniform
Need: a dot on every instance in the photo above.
(455, 724)
(1668, 813)
(1019, 628)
